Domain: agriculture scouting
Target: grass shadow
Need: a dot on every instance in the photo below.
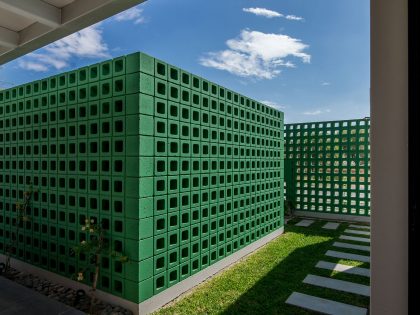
(268, 295)
(261, 283)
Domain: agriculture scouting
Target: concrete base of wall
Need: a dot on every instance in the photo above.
(332, 216)
(170, 294)
(162, 298)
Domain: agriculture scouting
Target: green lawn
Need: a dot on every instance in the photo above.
(261, 283)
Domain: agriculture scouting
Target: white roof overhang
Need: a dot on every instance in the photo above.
(26, 25)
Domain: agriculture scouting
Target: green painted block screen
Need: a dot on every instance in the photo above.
(327, 166)
(181, 172)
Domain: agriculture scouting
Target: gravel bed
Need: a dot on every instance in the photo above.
(74, 298)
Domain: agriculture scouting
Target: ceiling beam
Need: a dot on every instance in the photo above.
(8, 38)
(32, 32)
(35, 9)
(75, 16)
(3, 49)
(95, 9)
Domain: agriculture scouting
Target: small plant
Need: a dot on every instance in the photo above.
(95, 247)
(289, 207)
(21, 216)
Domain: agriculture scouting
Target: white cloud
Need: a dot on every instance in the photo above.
(294, 17)
(33, 66)
(325, 83)
(273, 104)
(257, 54)
(49, 60)
(272, 14)
(313, 113)
(87, 43)
(240, 64)
(134, 14)
(263, 12)
(317, 112)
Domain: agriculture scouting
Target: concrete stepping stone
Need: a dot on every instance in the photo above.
(324, 306)
(335, 254)
(357, 232)
(354, 238)
(339, 285)
(355, 226)
(352, 246)
(305, 223)
(343, 268)
(331, 225)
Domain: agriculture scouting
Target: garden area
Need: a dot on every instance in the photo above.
(263, 281)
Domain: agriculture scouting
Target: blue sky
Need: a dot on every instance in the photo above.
(310, 58)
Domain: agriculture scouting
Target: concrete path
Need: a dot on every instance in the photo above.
(16, 299)
(335, 254)
(343, 268)
(355, 226)
(354, 238)
(357, 232)
(305, 223)
(352, 246)
(324, 306)
(340, 285)
(331, 226)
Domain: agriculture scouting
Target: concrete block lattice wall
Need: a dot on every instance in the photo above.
(182, 172)
(327, 167)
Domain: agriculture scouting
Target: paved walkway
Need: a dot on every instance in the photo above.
(327, 226)
(15, 299)
(326, 306)
(305, 223)
(331, 225)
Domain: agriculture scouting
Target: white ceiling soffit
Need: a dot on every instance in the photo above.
(26, 25)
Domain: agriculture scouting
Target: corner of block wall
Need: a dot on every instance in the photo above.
(181, 171)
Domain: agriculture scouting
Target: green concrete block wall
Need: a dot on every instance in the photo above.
(327, 166)
(181, 171)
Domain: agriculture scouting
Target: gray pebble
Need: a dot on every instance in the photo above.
(64, 294)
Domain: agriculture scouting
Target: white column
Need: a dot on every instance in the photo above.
(389, 157)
